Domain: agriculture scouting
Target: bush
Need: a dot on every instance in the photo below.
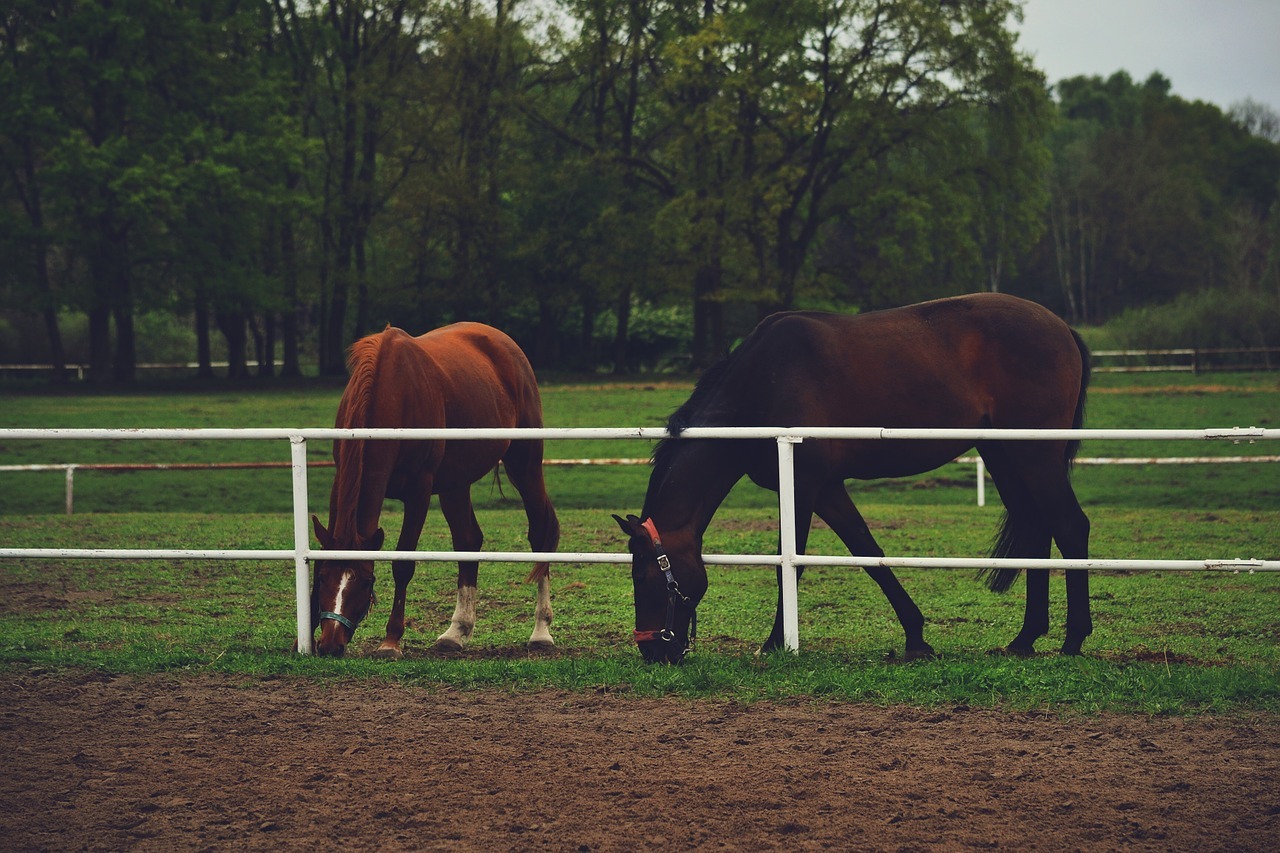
(1208, 319)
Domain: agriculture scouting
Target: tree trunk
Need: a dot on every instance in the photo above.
(57, 354)
(621, 333)
(204, 350)
(126, 361)
(267, 361)
(234, 328)
(100, 345)
(289, 277)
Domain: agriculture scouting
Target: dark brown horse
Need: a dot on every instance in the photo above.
(977, 361)
(464, 375)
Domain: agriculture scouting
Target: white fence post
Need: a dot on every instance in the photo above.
(982, 482)
(71, 488)
(301, 543)
(787, 539)
(786, 560)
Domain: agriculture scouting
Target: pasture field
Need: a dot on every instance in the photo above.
(1162, 401)
(1163, 643)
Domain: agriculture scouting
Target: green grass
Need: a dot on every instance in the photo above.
(1117, 401)
(1163, 642)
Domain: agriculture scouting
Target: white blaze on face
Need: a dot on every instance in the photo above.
(347, 577)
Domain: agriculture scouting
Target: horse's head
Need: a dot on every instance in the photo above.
(341, 592)
(669, 579)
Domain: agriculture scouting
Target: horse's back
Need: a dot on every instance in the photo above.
(461, 375)
(984, 360)
(465, 375)
(951, 362)
(483, 364)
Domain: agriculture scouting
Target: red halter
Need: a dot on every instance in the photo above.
(674, 596)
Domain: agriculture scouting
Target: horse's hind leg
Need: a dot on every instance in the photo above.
(523, 462)
(415, 516)
(466, 534)
(836, 508)
(1042, 508)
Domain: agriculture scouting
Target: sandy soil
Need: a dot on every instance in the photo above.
(196, 762)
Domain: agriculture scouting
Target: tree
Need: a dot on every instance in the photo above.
(28, 128)
(1151, 197)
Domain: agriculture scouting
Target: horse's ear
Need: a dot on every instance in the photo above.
(630, 525)
(322, 535)
(375, 541)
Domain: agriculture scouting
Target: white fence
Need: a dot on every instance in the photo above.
(788, 558)
(69, 469)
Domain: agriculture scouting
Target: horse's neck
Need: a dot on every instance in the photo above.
(358, 494)
(692, 483)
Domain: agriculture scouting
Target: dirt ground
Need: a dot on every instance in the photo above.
(101, 762)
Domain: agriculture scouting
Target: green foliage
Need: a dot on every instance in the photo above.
(1151, 197)
(587, 175)
(1205, 319)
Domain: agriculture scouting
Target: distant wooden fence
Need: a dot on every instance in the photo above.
(79, 370)
(1179, 359)
(1186, 359)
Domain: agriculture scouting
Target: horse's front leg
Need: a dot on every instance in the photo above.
(467, 536)
(836, 508)
(415, 516)
(804, 517)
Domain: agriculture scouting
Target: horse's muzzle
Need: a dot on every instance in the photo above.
(655, 649)
(332, 642)
(331, 650)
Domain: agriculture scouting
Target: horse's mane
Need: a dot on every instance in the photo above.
(362, 364)
(699, 410)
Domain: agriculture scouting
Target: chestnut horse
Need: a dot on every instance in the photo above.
(463, 375)
(979, 361)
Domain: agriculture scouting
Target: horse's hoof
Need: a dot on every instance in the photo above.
(1020, 651)
(387, 653)
(924, 652)
(447, 645)
(540, 646)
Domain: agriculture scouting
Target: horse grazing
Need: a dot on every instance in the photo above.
(978, 361)
(463, 375)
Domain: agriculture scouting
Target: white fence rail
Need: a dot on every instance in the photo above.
(69, 469)
(788, 559)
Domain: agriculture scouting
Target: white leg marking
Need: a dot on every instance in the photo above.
(464, 620)
(541, 637)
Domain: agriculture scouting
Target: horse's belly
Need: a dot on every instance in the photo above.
(465, 462)
(874, 460)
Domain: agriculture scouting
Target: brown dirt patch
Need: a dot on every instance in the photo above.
(98, 762)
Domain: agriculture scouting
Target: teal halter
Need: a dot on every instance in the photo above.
(342, 620)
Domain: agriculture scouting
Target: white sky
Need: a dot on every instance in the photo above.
(1221, 51)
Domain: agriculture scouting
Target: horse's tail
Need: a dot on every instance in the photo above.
(1086, 369)
(1014, 531)
(1009, 543)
